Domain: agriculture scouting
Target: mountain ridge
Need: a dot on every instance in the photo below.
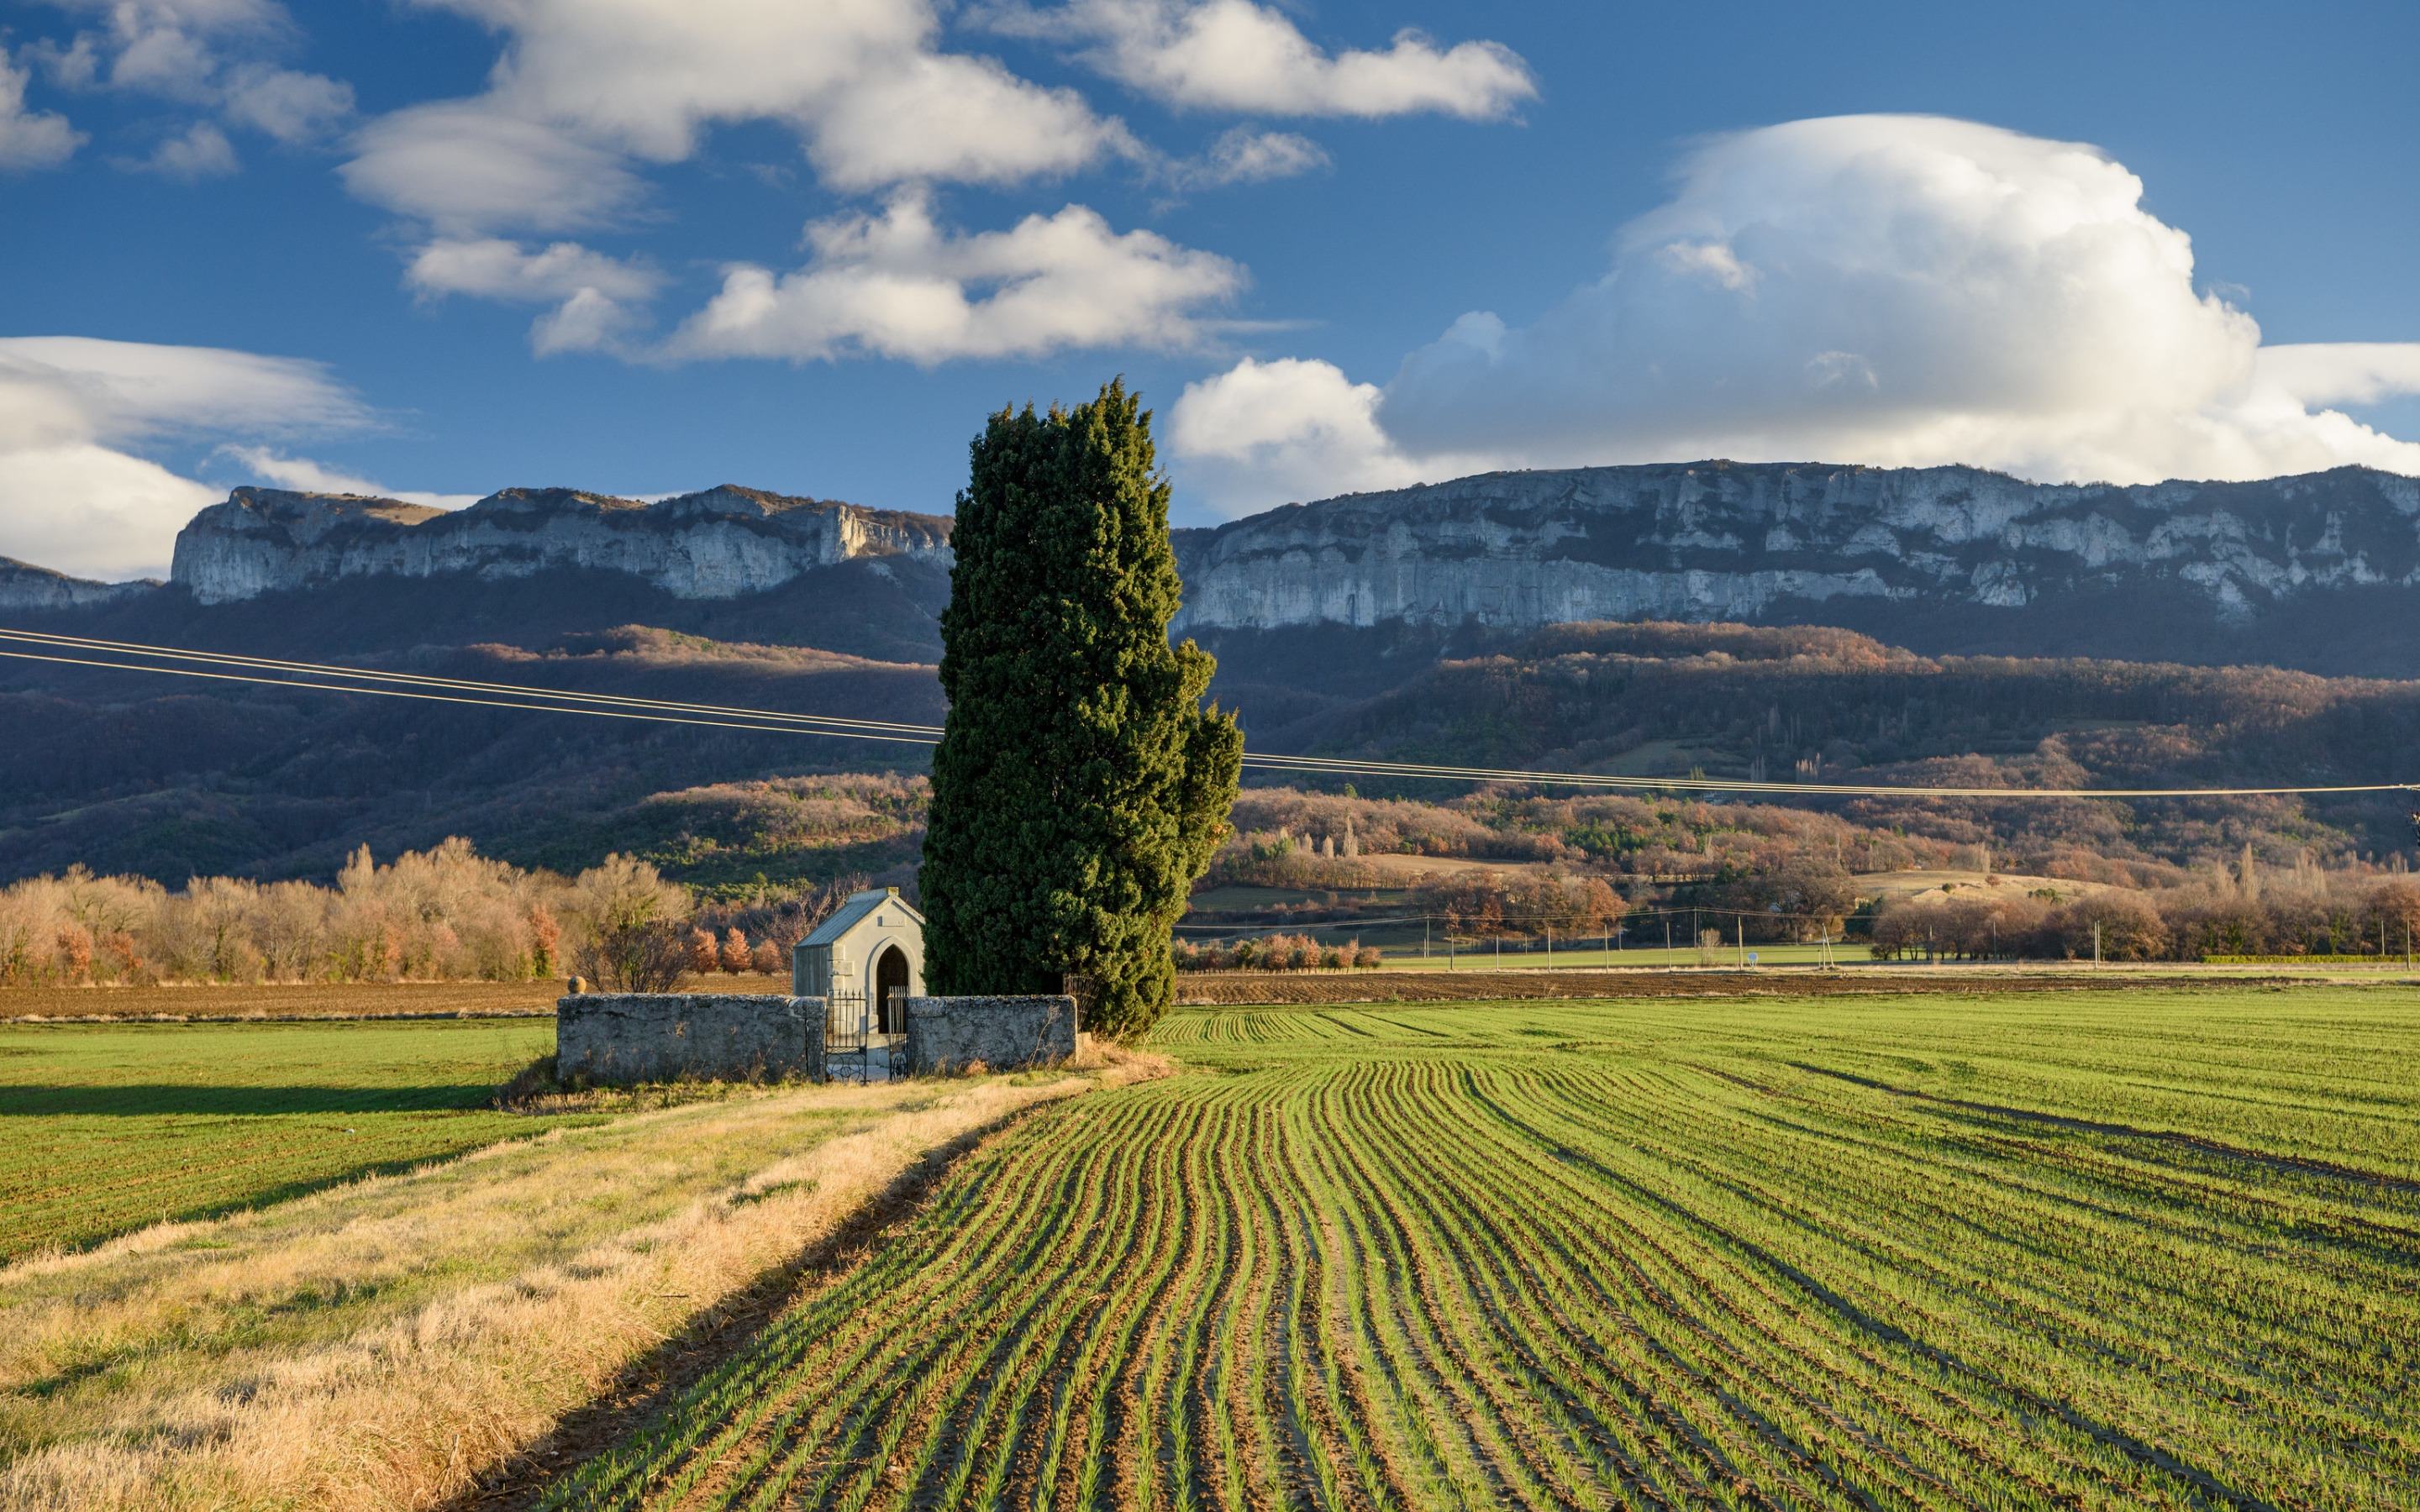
(718, 543)
(1721, 540)
(2318, 571)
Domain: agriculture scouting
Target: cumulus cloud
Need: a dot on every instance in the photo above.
(73, 497)
(213, 55)
(1896, 290)
(282, 104)
(900, 284)
(199, 151)
(30, 138)
(598, 299)
(585, 95)
(583, 99)
(305, 475)
(2351, 372)
(1234, 55)
(579, 92)
(1288, 430)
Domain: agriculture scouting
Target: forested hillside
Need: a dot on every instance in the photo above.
(170, 777)
(1830, 705)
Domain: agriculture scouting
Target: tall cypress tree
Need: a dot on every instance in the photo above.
(1080, 787)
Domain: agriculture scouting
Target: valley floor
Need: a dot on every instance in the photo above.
(2149, 1247)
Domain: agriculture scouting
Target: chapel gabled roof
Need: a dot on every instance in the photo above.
(859, 904)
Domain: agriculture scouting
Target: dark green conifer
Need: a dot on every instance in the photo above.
(1079, 787)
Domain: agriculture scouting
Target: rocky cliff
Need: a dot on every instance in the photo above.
(1842, 545)
(2320, 572)
(723, 542)
(39, 590)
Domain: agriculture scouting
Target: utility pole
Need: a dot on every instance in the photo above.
(2096, 942)
(1741, 924)
(1668, 942)
(1550, 948)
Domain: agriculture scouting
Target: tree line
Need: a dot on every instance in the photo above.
(447, 914)
(2246, 911)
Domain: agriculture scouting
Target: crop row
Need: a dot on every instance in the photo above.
(1609, 1255)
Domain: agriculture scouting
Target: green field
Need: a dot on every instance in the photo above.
(107, 1127)
(2095, 1251)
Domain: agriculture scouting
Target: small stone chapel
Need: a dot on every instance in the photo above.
(868, 956)
(857, 1000)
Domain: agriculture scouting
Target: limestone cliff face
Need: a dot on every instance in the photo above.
(39, 590)
(723, 543)
(1733, 541)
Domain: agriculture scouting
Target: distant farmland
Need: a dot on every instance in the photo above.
(2099, 1251)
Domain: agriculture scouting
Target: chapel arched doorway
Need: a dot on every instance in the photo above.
(891, 972)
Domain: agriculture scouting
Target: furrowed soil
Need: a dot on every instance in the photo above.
(2148, 1248)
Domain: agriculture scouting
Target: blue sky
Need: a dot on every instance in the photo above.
(1273, 218)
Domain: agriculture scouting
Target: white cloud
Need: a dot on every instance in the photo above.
(1894, 290)
(30, 139)
(305, 475)
(584, 88)
(466, 169)
(507, 270)
(597, 297)
(586, 92)
(282, 104)
(90, 512)
(1234, 55)
(71, 497)
(930, 116)
(2342, 372)
(200, 151)
(1269, 433)
(1244, 155)
(212, 55)
(898, 284)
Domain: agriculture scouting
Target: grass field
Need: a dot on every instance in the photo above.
(105, 1126)
(2109, 1250)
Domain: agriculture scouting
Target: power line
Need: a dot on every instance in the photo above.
(310, 673)
(240, 669)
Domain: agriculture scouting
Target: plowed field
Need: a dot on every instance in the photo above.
(2149, 1250)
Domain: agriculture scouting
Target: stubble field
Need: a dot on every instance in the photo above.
(2109, 1250)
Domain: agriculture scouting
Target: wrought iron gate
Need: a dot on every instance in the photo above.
(858, 1046)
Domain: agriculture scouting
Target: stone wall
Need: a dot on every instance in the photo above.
(947, 1034)
(653, 1037)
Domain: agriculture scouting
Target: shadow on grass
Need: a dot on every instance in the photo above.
(137, 1101)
